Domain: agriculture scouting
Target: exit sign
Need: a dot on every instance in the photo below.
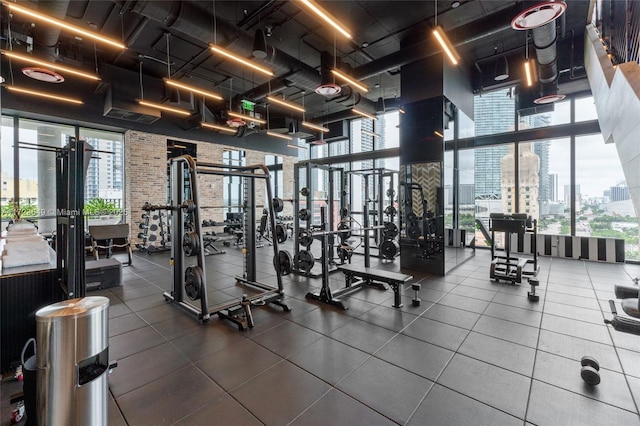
(247, 105)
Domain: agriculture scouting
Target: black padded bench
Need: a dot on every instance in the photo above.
(103, 273)
(358, 276)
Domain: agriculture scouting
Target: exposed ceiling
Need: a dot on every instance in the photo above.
(172, 37)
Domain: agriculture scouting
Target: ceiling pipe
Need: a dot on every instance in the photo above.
(482, 28)
(46, 36)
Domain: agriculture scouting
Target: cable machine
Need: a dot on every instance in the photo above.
(191, 280)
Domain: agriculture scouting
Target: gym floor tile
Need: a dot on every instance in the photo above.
(474, 292)
(507, 330)
(514, 314)
(549, 405)
(461, 302)
(178, 326)
(394, 391)
(630, 362)
(287, 338)
(225, 410)
(144, 367)
(126, 293)
(436, 333)
(497, 387)
(237, 364)
(322, 319)
(518, 301)
(575, 348)
(118, 309)
(131, 342)
(573, 300)
(141, 303)
(280, 394)
(125, 323)
(342, 410)
(565, 373)
(572, 327)
(115, 416)
(507, 355)
(443, 406)
(452, 316)
(437, 284)
(160, 313)
(573, 312)
(329, 359)
(634, 385)
(163, 402)
(207, 340)
(362, 335)
(390, 318)
(411, 354)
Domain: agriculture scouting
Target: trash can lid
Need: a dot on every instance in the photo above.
(73, 307)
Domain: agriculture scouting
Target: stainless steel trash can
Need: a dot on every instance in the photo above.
(73, 362)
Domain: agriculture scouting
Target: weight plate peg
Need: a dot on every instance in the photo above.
(193, 282)
(283, 262)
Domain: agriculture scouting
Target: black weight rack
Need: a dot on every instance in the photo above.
(507, 267)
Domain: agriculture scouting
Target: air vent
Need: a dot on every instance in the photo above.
(129, 110)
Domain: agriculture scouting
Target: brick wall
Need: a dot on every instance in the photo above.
(146, 179)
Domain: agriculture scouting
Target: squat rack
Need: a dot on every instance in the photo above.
(192, 279)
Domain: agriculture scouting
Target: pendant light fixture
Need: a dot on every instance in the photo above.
(46, 64)
(312, 126)
(444, 41)
(326, 17)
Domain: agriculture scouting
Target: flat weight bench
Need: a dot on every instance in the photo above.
(357, 277)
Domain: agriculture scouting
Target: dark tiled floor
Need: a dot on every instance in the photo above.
(475, 352)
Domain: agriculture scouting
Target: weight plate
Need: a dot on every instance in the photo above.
(414, 232)
(155, 217)
(590, 361)
(153, 227)
(152, 237)
(344, 212)
(590, 375)
(390, 231)
(191, 243)
(151, 248)
(304, 214)
(390, 211)
(305, 238)
(281, 233)
(283, 262)
(345, 233)
(389, 249)
(193, 282)
(189, 206)
(305, 260)
(391, 192)
(412, 218)
(278, 205)
(304, 191)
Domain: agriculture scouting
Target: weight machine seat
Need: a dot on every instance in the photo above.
(626, 291)
(631, 307)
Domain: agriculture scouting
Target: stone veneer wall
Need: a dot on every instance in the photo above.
(146, 176)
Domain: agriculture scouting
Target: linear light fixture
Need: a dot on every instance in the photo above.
(315, 127)
(290, 145)
(44, 95)
(352, 81)
(279, 135)
(370, 133)
(216, 127)
(243, 61)
(47, 64)
(62, 24)
(193, 89)
(326, 17)
(527, 72)
(437, 133)
(246, 117)
(285, 104)
(446, 45)
(164, 107)
(364, 114)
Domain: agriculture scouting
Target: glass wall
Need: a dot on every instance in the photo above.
(6, 170)
(232, 185)
(603, 203)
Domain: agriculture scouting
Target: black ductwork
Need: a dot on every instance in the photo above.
(46, 36)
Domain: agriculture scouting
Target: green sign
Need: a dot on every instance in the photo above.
(247, 105)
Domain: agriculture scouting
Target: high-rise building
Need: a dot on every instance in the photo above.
(553, 187)
(105, 173)
(620, 192)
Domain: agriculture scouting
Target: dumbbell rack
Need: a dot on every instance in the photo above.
(161, 227)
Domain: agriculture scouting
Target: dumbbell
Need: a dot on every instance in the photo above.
(590, 370)
(416, 294)
(532, 294)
